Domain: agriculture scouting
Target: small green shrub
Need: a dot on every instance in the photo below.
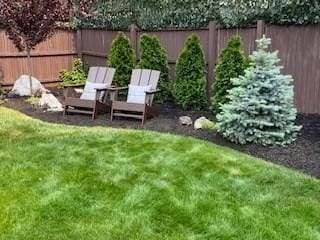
(76, 76)
(33, 100)
(153, 56)
(232, 63)
(207, 124)
(261, 108)
(121, 58)
(189, 88)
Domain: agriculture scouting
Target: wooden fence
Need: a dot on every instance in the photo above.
(298, 46)
(47, 59)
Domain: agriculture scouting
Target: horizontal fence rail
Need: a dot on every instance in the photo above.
(298, 47)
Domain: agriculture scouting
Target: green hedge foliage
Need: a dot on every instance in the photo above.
(153, 14)
(153, 56)
(122, 58)
(261, 108)
(77, 75)
(232, 63)
(189, 87)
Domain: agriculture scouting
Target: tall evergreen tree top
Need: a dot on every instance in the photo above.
(232, 63)
(154, 56)
(122, 58)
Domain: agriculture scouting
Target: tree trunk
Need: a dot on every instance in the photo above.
(30, 70)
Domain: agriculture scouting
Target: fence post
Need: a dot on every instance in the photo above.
(212, 56)
(79, 43)
(261, 29)
(133, 38)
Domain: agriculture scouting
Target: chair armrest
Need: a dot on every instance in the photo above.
(117, 88)
(152, 91)
(74, 85)
(101, 89)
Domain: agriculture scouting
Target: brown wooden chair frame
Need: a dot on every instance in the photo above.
(73, 103)
(141, 77)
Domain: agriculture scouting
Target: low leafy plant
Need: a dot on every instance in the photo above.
(77, 75)
(232, 63)
(33, 100)
(189, 88)
(207, 124)
(153, 56)
(121, 58)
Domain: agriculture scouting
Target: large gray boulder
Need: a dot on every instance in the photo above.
(22, 87)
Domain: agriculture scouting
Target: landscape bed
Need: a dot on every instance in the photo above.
(303, 155)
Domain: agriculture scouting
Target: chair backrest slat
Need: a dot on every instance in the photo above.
(135, 77)
(93, 71)
(154, 79)
(145, 77)
(101, 75)
(109, 76)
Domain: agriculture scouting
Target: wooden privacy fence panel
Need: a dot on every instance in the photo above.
(48, 58)
(95, 45)
(299, 50)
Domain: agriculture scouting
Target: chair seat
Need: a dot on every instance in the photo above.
(77, 102)
(131, 107)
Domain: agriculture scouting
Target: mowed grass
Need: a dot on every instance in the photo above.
(62, 182)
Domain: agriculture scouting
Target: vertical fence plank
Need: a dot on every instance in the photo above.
(79, 43)
(261, 29)
(133, 38)
(213, 55)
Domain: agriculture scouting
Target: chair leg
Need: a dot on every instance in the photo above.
(94, 113)
(111, 114)
(144, 116)
(65, 111)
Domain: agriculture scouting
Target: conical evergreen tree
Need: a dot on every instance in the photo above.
(232, 63)
(261, 108)
(189, 88)
(153, 56)
(122, 58)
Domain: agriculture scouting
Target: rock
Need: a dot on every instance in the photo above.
(203, 123)
(50, 103)
(185, 120)
(22, 87)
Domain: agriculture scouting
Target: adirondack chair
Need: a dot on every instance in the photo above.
(94, 96)
(141, 91)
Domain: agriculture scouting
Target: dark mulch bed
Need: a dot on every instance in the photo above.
(303, 155)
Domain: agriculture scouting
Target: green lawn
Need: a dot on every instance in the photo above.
(62, 182)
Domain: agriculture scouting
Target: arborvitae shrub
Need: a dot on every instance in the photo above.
(261, 108)
(153, 56)
(77, 75)
(189, 88)
(122, 58)
(232, 63)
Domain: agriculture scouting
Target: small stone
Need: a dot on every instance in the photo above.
(50, 103)
(203, 123)
(185, 120)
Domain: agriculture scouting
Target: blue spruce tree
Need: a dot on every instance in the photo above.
(261, 108)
